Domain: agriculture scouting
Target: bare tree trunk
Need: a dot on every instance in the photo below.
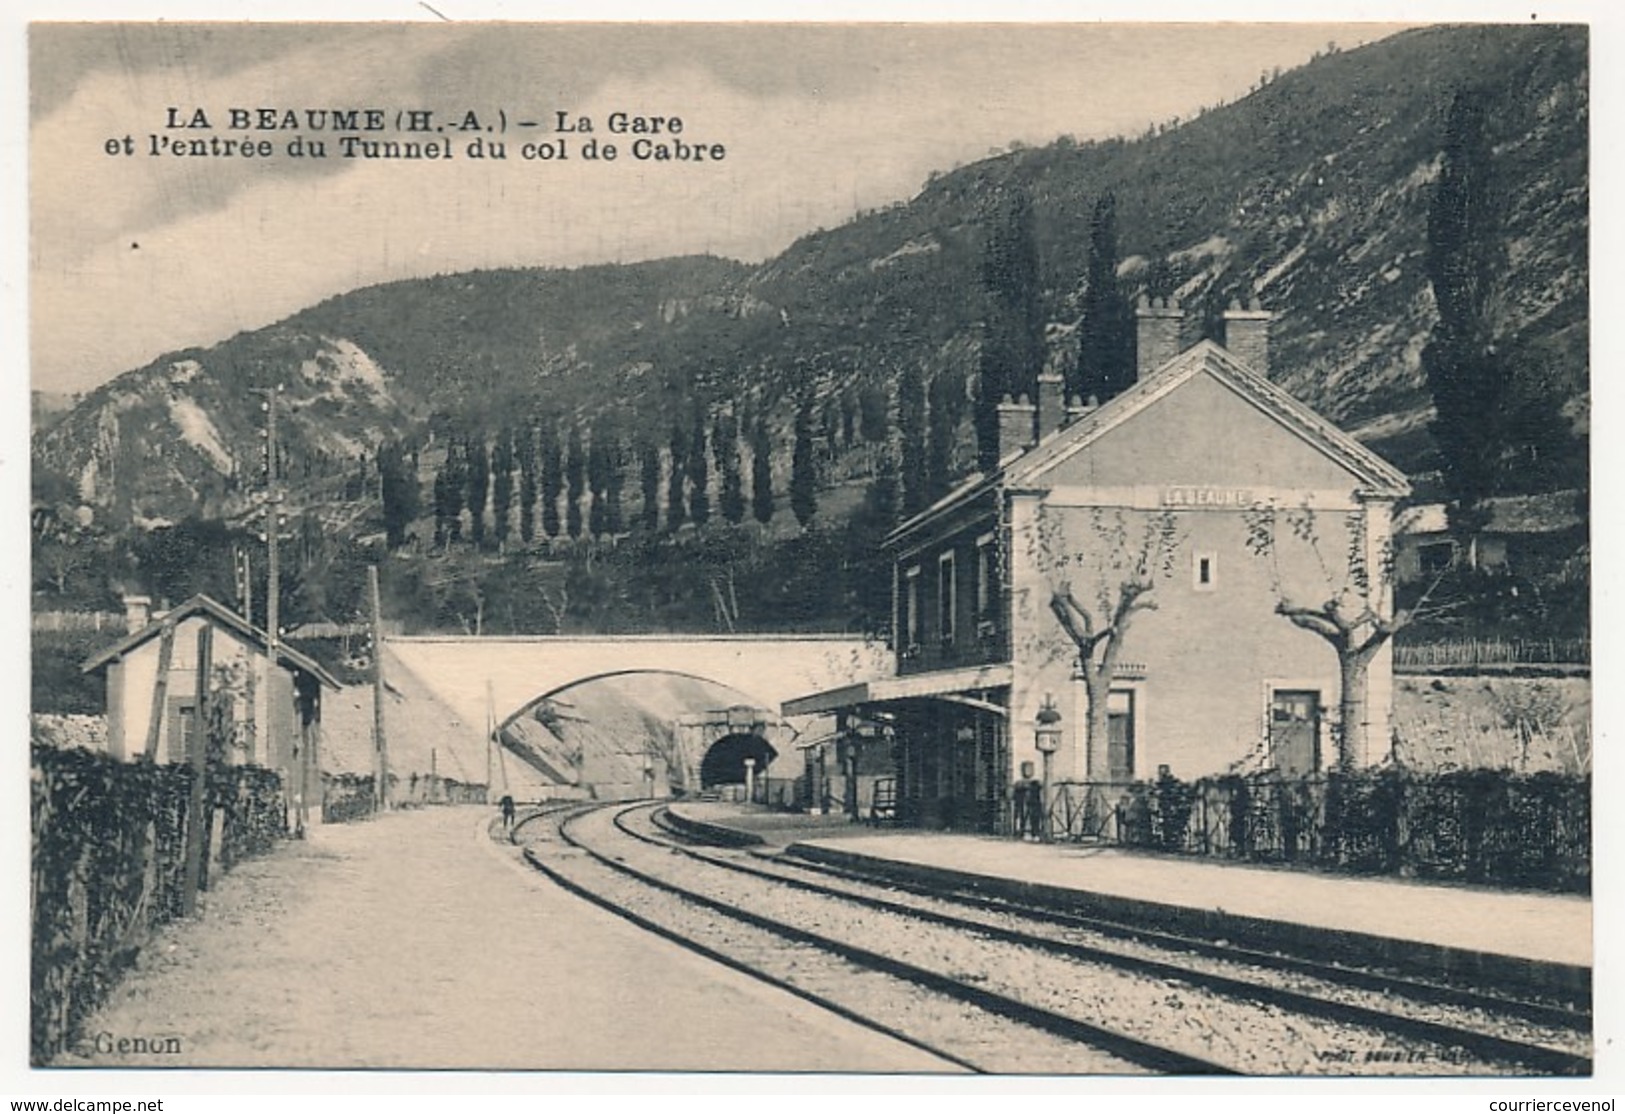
(1354, 708)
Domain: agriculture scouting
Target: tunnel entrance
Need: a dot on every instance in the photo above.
(724, 761)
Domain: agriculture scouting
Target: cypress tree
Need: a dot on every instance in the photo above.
(725, 448)
(649, 477)
(552, 476)
(614, 477)
(761, 472)
(454, 476)
(803, 472)
(941, 429)
(598, 483)
(526, 448)
(479, 487)
(398, 490)
(676, 509)
(502, 460)
(912, 433)
(575, 481)
(699, 473)
(1106, 350)
(1012, 351)
(1477, 415)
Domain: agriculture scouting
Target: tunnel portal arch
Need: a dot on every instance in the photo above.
(724, 760)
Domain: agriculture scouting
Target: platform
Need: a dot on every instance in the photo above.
(1533, 942)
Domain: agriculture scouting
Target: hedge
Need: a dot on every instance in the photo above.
(108, 867)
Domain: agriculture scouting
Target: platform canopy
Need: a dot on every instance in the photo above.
(955, 685)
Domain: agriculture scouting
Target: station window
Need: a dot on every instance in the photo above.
(909, 621)
(987, 574)
(1204, 571)
(947, 596)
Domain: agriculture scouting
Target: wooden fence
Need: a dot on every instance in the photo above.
(54, 622)
(1460, 652)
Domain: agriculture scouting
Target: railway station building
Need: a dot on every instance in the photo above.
(1183, 519)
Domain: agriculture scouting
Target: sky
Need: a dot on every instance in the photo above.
(134, 255)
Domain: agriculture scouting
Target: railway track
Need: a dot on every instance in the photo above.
(994, 988)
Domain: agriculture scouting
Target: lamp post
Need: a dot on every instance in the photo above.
(1047, 737)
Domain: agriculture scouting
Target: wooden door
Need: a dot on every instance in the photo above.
(1295, 731)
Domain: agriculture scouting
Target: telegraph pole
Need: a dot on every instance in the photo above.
(273, 526)
(379, 740)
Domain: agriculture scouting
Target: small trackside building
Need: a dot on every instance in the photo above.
(274, 710)
(1182, 520)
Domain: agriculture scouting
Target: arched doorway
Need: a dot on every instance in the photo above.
(724, 761)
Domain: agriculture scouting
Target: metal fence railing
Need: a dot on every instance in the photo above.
(1484, 826)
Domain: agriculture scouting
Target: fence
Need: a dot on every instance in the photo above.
(53, 622)
(1481, 826)
(347, 797)
(108, 867)
(1464, 652)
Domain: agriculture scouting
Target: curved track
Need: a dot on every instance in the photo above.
(992, 987)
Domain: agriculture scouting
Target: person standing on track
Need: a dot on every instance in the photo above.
(506, 804)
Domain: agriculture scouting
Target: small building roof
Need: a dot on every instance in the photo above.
(223, 616)
(1546, 513)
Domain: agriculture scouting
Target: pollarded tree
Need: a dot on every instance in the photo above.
(1347, 601)
(1101, 567)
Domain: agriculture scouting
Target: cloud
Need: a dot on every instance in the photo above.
(817, 121)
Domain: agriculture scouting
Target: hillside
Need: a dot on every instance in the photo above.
(1312, 192)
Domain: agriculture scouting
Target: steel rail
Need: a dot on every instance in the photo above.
(1489, 1046)
(1129, 1049)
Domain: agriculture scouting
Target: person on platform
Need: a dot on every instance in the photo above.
(506, 804)
(1028, 798)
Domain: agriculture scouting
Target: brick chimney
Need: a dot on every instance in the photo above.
(1051, 403)
(1159, 324)
(1247, 335)
(137, 612)
(1016, 425)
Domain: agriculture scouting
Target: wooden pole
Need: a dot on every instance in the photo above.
(195, 821)
(379, 740)
(160, 689)
(490, 741)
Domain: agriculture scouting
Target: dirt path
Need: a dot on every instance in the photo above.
(411, 941)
